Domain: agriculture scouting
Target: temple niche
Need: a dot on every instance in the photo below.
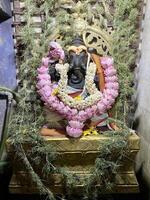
(84, 82)
(80, 88)
(74, 74)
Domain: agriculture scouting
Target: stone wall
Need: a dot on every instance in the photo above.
(142, 115)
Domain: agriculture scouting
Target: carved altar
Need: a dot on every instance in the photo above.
(79, 157)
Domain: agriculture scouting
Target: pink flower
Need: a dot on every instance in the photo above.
(60, 108)
(79, 118)
(56, 52)
(111, 100)
(89, 112)
(43, 98)
(82, 116)
(40, 92)
(69, 117)
(47, 87)
(48, 93)
(76, 124)
(55, 105)
(111, 79)
(93, 109)
(42, 70)
(74, 111)
(45, 61)
(116, 86)
(110, 72)
(109, 85)
(109, 106)
(101, 107)
(66, 110)
(107, 91)
(44, 92)
(51, 99)
(115, 94)
(111, 92)
(43, 76)
(62, 105)
(42, 83)
(106, 61)
(73, 132)
(112, 85)
(105, 101)
(54, 45)
(54, 85)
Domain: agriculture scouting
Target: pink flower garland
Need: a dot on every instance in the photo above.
(77, 118)
(55, 52)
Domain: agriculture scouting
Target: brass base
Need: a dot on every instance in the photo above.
(79, 155)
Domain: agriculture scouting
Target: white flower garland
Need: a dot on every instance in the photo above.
(94, 94)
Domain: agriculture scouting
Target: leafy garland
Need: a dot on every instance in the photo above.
(29, 110)
(124, 52)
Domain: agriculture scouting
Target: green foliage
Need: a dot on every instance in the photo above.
(124, 52)
(28, 116)
(111, 154)
(30, 158)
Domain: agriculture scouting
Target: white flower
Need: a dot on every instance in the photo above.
(89, 85)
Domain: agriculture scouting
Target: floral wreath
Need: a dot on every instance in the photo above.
(76, 111)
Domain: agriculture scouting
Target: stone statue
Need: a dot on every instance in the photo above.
(88, 100)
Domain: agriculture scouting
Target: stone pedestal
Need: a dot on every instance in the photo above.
(79, 155)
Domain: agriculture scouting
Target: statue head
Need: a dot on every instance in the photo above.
(77, 59)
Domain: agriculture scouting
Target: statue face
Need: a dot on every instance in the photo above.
(78, 63)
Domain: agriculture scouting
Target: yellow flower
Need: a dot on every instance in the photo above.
(94, 132)
(87, 132)
(78, 98)
(55, 92)
(90, 131)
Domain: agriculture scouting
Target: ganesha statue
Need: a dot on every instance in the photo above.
(78, 88)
